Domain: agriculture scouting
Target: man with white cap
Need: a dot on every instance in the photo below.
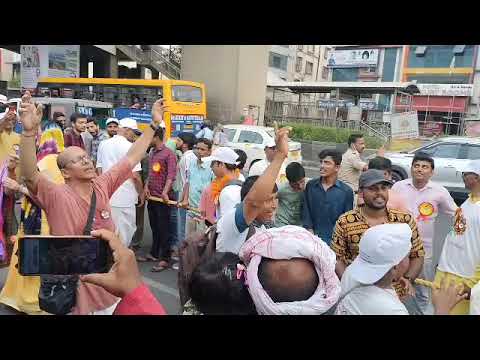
(367, 284)
(112, 126)
(461, 250)
(259, 167)
(226, 187)
(123, 201)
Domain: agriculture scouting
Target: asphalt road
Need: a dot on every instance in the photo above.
(164, 284)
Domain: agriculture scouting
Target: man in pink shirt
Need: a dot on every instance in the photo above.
(395, 200)
(67, 206)
(425, 200)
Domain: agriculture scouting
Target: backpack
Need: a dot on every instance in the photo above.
(195, 249)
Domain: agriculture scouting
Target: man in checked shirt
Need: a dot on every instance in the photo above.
(163, 165)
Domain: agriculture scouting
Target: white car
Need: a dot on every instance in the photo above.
(252, 139)
(449, 153)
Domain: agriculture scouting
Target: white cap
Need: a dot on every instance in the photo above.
(381, 248)
(128, 123)
(270, 143)
(472, 166)
(224, 155)
(3, 99)
(110, 120)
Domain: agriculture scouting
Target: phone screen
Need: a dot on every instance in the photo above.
(61, 255)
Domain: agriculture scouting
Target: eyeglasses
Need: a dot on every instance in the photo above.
(84, 160)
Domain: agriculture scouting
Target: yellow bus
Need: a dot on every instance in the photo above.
(134, 97)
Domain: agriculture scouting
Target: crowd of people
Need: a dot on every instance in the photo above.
(348, 242)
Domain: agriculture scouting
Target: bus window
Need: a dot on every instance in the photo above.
(186, 93)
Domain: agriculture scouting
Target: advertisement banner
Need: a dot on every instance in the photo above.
(48, 61)
(353, 58)
(446, 89)
(404, 125)
(63, 61)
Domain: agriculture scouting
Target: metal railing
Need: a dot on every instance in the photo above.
(314, 115)
(152, 58)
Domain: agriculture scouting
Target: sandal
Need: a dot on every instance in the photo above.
(162, 265)
(151, 258)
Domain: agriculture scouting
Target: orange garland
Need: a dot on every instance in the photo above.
(219, 184)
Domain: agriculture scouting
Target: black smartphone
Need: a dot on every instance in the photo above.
(63, 255)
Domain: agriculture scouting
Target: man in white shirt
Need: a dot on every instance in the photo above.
(259, 203)
(224, 162)
(183, 165)
(123, 201)
(384, 258)
(259, 167)
(461, 251)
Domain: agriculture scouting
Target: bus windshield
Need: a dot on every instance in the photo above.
(186, 93)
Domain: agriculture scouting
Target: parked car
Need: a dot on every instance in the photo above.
(449, 154)
(252, 139)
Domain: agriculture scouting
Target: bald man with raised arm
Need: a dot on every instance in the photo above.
(67, 205)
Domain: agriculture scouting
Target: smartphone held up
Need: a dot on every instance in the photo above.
(63, 255)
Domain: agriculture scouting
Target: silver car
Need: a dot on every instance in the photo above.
(449, 153)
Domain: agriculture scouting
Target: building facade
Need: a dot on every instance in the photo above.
(445, 75)
(297, 63)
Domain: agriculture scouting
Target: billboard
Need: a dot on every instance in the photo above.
(353, 58)
(48, 61)
(404, 125)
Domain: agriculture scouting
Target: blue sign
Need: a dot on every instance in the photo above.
(84, 110)
(141, 116)
(186, 123)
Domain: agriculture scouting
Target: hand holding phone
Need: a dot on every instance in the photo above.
(124, 275)
(62, 255)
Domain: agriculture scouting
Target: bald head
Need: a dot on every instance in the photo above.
(70, 153)
(288, 280)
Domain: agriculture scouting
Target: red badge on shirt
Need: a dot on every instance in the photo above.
(157, 167)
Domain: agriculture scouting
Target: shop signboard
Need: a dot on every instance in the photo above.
(464, 90)
(404, 125)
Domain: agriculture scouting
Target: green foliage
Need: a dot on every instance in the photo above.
(326, 134)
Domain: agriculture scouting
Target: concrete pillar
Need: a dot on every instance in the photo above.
(112, 66)
(235, 76)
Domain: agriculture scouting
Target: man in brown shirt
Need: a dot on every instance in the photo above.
(352, 164)
(351, 226)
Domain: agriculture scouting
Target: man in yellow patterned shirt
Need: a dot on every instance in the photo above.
(351, 226)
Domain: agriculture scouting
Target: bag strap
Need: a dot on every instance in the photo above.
(251, 231)
(91, 214)
(234, 182)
